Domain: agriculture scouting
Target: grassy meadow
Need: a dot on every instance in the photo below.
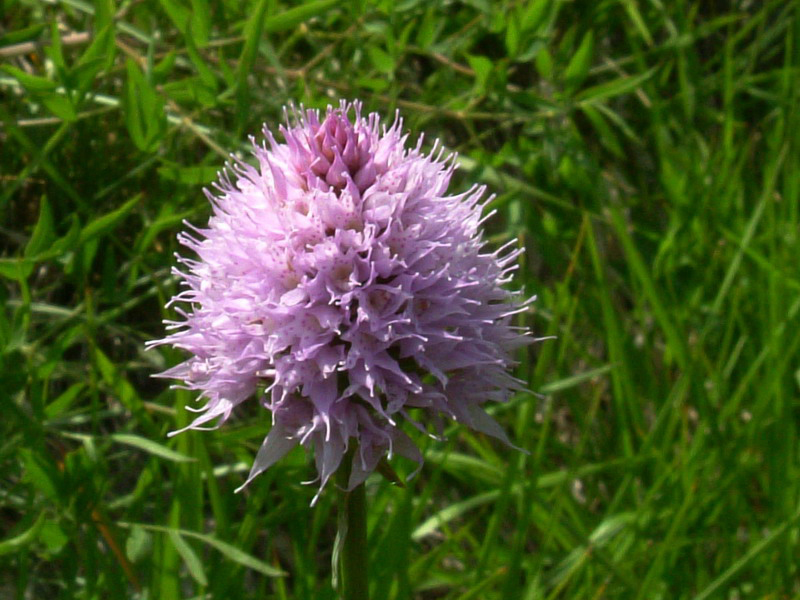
(645, 153)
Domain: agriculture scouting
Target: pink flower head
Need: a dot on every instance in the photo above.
(339, 283)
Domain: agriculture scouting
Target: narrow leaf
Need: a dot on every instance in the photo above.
(25, 34)
(616, 87)
(291, 18)
(453, 511)
(18, 542)
(190, 559)
(32, 83)
(58, 406)
(151, 447)
(44, 232)
(228, 550)
(60, 106)
(108, 221)
(574, 380)
(578, 66)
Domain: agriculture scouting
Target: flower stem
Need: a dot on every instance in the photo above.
(353, 580)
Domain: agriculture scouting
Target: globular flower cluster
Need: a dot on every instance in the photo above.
(340, 284)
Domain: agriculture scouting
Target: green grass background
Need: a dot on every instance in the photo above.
(644, 152)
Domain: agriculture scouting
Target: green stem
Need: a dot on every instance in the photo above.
(353, 580)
